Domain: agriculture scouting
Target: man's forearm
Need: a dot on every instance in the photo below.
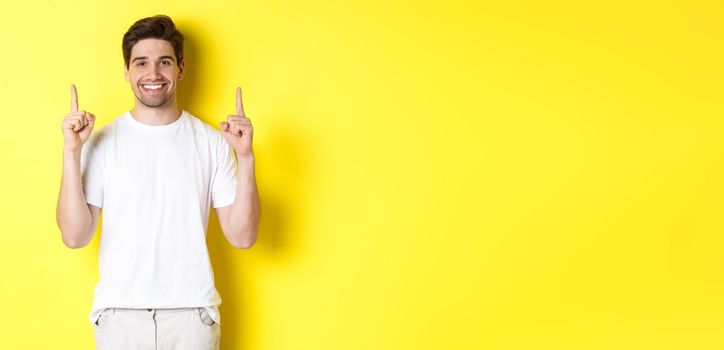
(246, 211)
(72, 214)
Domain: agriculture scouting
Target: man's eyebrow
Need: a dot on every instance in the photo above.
(145, 57)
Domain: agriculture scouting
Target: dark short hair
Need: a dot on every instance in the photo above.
(156, 27)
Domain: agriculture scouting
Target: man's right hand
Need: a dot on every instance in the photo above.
(77, 125)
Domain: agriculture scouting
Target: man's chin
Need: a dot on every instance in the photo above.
(153, 103)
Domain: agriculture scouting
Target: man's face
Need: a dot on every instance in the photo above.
(153, 72)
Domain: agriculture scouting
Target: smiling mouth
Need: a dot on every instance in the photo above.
(152, 88)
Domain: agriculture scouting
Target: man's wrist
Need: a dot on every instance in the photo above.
(245, 161)
(248, 158)
(72, 151)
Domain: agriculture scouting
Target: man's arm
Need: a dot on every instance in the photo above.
(240, 221)
(76, 219)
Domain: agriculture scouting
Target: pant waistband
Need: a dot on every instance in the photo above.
(158, 311)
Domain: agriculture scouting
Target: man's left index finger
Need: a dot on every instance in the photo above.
(239, 106)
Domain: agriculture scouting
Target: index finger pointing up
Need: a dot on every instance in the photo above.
(73, 99)
(239, 106)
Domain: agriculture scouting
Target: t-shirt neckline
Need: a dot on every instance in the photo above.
(156, 128)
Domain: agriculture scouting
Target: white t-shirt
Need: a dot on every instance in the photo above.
(155, 185)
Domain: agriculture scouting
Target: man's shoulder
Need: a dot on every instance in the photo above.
(104, 132)
(203, 127)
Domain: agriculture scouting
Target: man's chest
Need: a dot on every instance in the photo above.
(170, 167)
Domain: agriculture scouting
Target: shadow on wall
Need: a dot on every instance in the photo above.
(279, 207)
(187, 86)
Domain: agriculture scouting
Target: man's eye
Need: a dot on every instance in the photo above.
(166, 62)
(140, 64)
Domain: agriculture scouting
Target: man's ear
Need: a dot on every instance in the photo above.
(125, 73)
(181, 69)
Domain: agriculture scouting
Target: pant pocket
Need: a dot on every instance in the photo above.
(205, 318)
(104, 318)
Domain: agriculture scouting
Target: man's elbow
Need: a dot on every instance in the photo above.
(243, 241)
(73, 235)
(74, 242)
(242, 245)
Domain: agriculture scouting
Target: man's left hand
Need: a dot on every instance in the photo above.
(237, 130)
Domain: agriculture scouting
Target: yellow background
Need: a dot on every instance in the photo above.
(434, 175)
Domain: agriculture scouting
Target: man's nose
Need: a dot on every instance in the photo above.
(155, 72)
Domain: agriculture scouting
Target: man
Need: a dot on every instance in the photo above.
(154, 172)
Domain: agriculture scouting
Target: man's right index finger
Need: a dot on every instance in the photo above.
(73, 99)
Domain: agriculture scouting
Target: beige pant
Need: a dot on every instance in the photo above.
(156, 329)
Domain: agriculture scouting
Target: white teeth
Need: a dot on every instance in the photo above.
(151, 87)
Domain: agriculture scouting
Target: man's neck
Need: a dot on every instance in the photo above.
(156, 115)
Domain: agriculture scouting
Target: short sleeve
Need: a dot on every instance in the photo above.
(223, 185)
(91, 167)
